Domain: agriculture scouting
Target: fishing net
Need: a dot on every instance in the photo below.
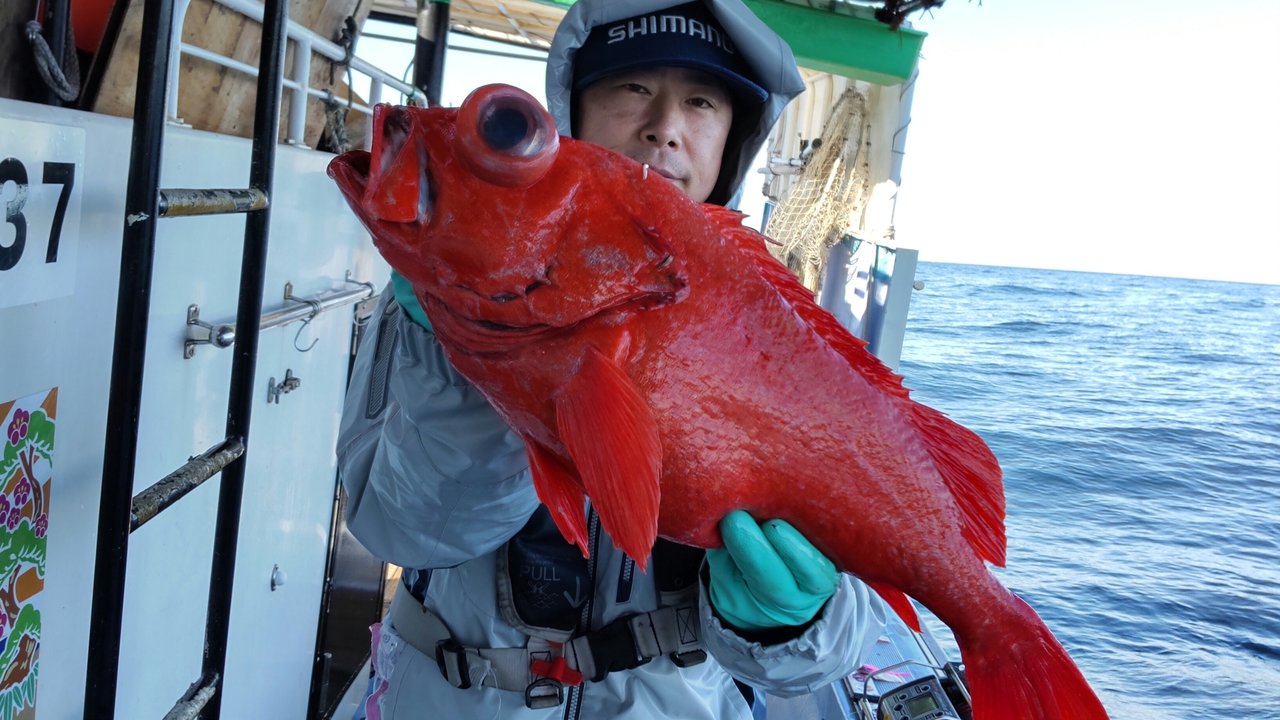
(827, 201)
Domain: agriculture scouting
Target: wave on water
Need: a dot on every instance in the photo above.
(1136, 422)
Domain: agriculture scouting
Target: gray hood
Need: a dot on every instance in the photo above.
(768, 56)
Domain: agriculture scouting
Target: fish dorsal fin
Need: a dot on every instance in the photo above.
(752, 244)
(967, 466)
(561, 492)
(973, 475)
(609, 431)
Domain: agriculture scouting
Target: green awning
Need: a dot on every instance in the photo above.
(842, 38)
(845, 41)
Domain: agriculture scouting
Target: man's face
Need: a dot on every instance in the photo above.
(675, 119)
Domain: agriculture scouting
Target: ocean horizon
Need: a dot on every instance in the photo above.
(1118, 273)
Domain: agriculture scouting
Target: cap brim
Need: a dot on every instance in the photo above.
(738, 85)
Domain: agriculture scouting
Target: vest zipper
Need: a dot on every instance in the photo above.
(573, 704)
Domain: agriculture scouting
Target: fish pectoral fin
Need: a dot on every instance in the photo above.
(897, 600)
(610, 433)
(561, 492)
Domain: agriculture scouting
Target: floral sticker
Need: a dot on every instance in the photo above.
(26, 477)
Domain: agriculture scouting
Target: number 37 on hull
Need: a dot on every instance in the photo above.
(40, 199)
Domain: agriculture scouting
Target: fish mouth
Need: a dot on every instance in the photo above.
(388, 188)
(510, 329)
(536, 303)
(483, 335)
(479, 335)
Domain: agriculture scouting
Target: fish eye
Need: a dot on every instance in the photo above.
(504, 127)
(505, 136)
(513, 125)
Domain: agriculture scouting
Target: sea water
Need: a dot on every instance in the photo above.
(1137, 420)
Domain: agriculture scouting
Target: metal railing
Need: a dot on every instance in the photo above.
(299, 86)
(223, 335)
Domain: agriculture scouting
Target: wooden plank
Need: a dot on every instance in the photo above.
(523, 22)
(220, 99)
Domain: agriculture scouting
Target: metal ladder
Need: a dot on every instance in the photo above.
(120, 512)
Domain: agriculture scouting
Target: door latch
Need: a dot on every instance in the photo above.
(287, 385)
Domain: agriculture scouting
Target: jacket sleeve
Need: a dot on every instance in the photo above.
(833, 645)
(433, 475)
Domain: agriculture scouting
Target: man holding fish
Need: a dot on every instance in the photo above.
(499, 616)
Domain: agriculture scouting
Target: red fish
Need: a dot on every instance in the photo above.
(646, 347)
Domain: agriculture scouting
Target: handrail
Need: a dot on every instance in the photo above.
(306, 40)
(213, 57)
(223, 335)
(322, 45)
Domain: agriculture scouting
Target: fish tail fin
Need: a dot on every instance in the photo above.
(1027, 675)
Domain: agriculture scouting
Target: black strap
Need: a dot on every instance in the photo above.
(380, 375)
(613, 648)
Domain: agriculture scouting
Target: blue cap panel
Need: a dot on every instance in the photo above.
(682, 36)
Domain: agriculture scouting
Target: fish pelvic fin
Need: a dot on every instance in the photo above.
(1022, 672)
(561, 492)
(968, 467)
(898, 601)
(609, 430)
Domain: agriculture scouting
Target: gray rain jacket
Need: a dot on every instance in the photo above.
(436, 480)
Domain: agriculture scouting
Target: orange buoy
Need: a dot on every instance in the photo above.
(89, 21)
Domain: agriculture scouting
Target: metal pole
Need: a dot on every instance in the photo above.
(428, 56)
(174, 486)
(175, 68)
(253, 265)
(133, 304)
(296, 134)
(57, 13)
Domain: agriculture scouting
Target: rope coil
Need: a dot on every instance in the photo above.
(335, 114)
(65, 85)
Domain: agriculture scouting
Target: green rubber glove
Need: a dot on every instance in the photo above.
(407, 300)
(767, 575)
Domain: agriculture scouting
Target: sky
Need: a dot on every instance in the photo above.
(1127, 136)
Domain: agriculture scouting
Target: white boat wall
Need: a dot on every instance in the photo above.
(56, 330)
